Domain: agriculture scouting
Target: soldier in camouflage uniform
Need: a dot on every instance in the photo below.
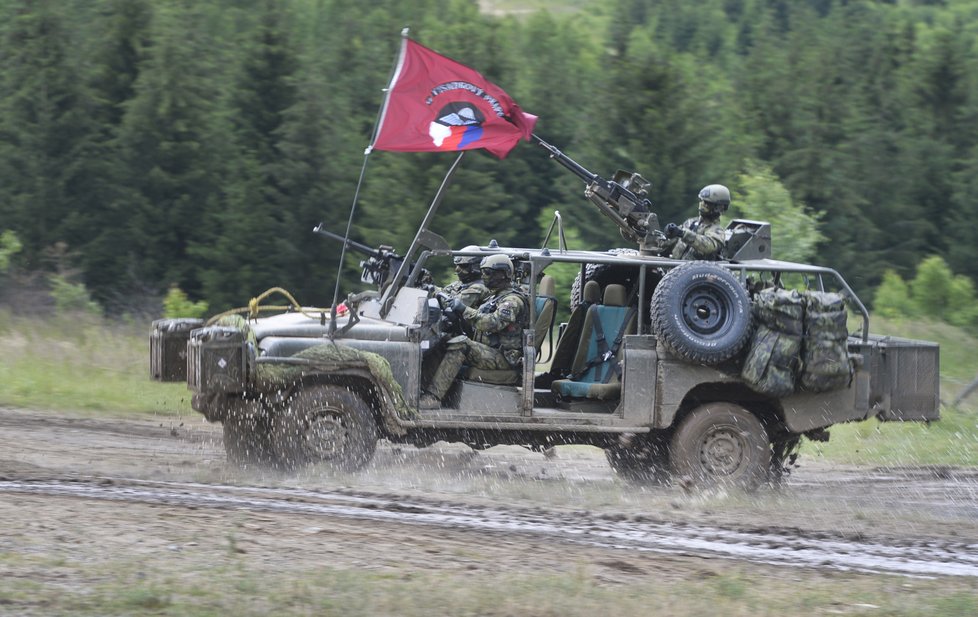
(497, 325)
(469, 287)
(701, 237)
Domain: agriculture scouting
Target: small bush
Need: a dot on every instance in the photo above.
(892, 297)
(9, 245)
(177, 304)
(71, 297)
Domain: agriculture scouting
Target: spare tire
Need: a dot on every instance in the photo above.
(701, 313)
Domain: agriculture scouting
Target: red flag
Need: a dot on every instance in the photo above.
(435, 104)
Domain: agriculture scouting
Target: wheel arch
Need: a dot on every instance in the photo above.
(768, 410)
(361, 383)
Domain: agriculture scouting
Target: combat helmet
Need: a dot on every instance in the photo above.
(497, 270)
(467, 266)
(714, 200)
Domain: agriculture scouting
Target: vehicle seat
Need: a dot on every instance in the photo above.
(546, 310)
(595, 371)
(564, 352)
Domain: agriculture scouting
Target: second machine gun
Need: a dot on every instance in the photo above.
(622, 199)
(380, 264)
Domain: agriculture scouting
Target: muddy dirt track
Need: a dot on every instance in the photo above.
(102, 486)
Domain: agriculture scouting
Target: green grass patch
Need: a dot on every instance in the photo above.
(82, 364)
(206, 589)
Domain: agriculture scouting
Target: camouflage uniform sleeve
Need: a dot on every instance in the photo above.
(707, 242)
(510, 310)
(474, 295)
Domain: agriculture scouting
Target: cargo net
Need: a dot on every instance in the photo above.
(799, 344)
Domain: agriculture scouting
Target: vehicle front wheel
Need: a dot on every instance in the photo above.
(325, 424)
(721, 445)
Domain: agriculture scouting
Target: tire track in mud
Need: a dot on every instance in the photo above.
(773, 546)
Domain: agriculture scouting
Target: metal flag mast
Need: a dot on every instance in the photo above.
(405, 266)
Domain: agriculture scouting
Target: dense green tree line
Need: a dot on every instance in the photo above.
(196, 144)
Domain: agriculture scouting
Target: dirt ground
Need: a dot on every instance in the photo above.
(93, 489)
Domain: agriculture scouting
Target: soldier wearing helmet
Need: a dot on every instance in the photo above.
(497, 326)
(701, 237)
(469, 287)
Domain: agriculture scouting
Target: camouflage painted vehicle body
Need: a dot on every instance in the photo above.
(649, 366)
(668, 409)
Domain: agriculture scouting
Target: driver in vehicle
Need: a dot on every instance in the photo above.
(497, 326)
(702, 237)
(469, 287)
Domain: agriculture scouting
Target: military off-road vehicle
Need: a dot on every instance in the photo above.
(710, 370)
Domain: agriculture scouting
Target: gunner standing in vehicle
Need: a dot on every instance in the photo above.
(497, 326)
(701, 237)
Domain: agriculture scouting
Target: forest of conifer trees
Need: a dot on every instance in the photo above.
(150, 143)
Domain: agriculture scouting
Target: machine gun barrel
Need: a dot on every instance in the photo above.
(380, 263)
(622, 199)
(353, 244)
(579, 170)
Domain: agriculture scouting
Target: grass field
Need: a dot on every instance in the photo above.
(235, 587)
(84, 365)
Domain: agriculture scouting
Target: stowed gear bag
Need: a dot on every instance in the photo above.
(800, 342)
(774, 357)
(825, 359)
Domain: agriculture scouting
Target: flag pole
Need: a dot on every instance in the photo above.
(405, 266)
(395, 71)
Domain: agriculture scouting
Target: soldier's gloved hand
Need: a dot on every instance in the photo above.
(457, 306)
(673, 231)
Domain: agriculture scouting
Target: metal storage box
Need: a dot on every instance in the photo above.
(168, 348)
(217, 360)
(906, 375)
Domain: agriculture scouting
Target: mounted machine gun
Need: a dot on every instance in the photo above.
(380, 264)
(622, 199)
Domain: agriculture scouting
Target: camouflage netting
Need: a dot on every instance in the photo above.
(330, 357)
(800, 342)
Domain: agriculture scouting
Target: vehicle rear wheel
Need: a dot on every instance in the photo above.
(701, 313)
(325, 424)
(721, 445)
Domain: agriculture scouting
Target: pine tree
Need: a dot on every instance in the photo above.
(45, 128)
(173, 150)
(122, 29)
(251, 250)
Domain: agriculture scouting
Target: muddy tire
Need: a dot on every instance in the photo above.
(247, 441)
(701, 313)
(720, 445)
(325, 424)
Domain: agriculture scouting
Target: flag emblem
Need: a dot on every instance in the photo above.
(458, 126)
